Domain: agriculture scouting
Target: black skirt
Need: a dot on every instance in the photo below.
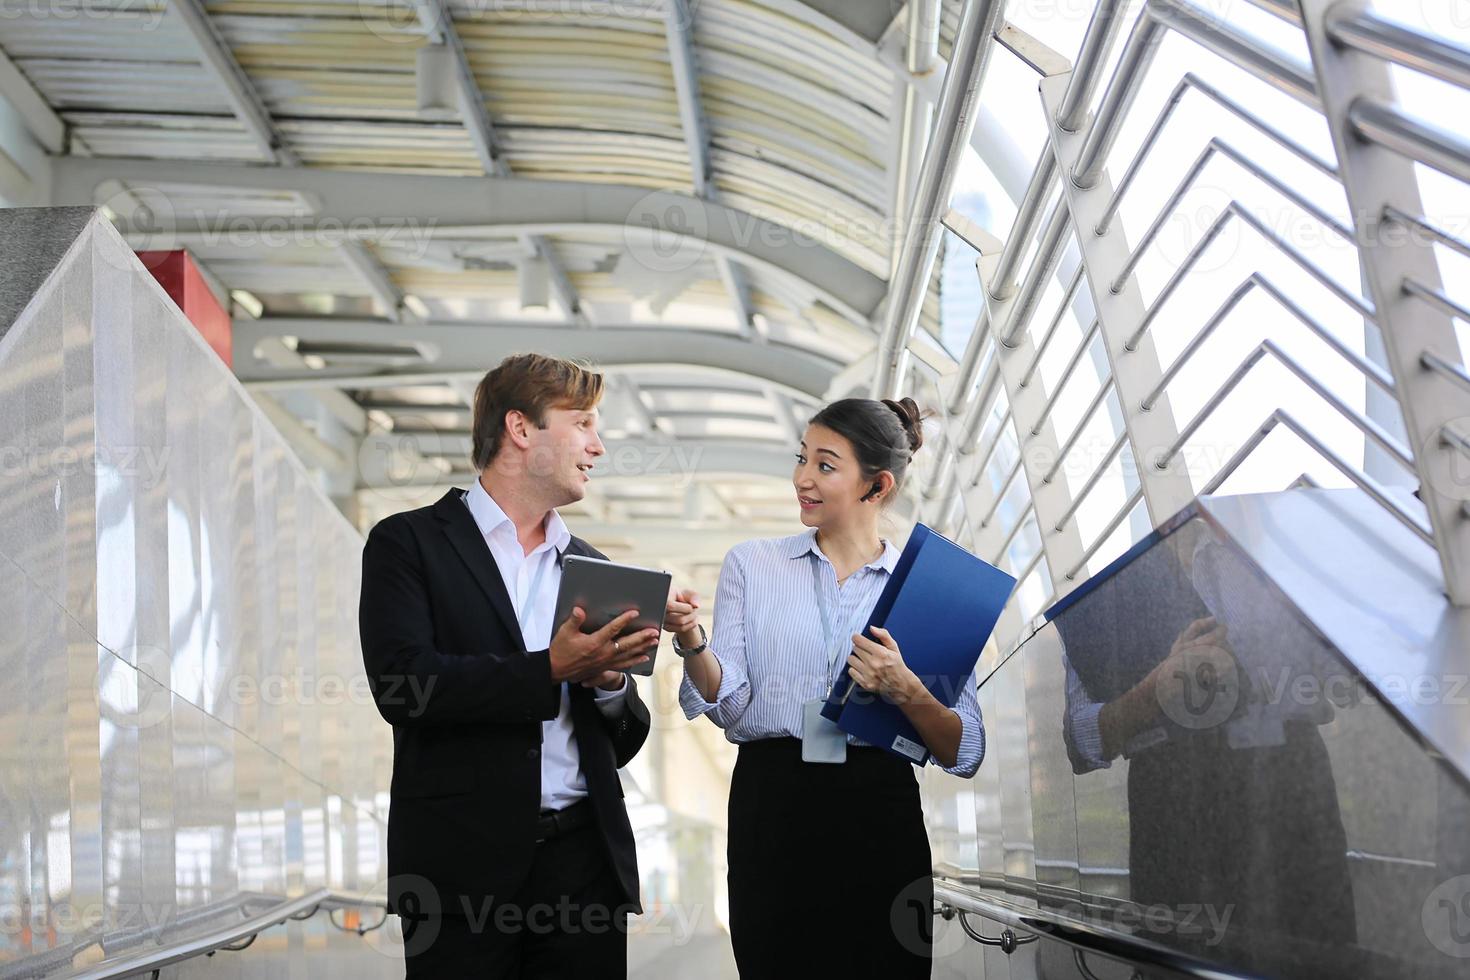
(830, 870)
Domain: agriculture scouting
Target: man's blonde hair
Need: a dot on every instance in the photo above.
(530, 384)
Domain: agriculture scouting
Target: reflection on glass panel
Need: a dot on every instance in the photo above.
(165, 728)
(1205, 771)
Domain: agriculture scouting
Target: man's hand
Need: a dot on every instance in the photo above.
(608, 680)
(578, 656)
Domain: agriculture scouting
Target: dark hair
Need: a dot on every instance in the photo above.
(884, 434)
(529, 384)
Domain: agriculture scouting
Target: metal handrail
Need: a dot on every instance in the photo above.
(1196, 24)
(974, 417)
(1102, 31)
(1371, 33)
(1287, 10)
(1256, 280)
(1395, 130)
(234, 937)
(1072, 362)
(1234, 210)
(1449, 369)
(1372, 430)
(1051, 330)
(1048, 251)
(1003, 488)
(1106, 532)
(954, 120)
(1456, 438)
(1205, 28)
(1436, 299)
(1360, 479)
(1194, 82)
(1092, 406)
(1043, 176)
(1077, 935)
(1031, 565)
(1000, 431)
(1214, 146)
(1097, 473)
(1005, 545)
(969, 369)
(1123, 87)
(1392, 213)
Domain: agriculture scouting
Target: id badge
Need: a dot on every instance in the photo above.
(821, 739)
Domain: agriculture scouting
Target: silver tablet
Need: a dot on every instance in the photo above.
(605, 590)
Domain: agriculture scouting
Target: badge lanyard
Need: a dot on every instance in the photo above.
(833, 650)
(821, 739)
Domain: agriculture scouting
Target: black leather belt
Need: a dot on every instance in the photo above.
(554, 823)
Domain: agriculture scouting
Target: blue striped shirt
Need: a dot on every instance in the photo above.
(769, 640)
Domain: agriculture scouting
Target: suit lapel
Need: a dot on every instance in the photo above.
(464, 534)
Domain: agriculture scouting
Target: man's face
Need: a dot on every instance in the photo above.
(562, 453)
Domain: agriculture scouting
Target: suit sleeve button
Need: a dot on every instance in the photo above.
(532, 753)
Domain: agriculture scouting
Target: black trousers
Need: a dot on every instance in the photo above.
(830, 870)
(569, 919)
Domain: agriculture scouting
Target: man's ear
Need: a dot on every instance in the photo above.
(516, 428)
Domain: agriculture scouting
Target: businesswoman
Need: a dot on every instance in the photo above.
(829, 861)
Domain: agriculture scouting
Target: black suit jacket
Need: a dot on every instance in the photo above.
(450, 672)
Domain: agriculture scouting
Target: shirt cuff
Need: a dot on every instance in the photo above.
(972, 747)
(1084, 738)
(612, 703)
(694, 703)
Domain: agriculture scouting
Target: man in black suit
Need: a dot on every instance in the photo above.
(509, 847)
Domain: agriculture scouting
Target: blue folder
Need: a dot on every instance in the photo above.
(940, 604)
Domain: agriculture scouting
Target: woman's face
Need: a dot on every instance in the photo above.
(828, 479)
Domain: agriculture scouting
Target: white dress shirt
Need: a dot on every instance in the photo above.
(562, 782)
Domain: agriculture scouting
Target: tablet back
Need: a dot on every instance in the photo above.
(605, 590)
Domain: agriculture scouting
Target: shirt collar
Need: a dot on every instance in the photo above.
(806, 543)
(489, 517)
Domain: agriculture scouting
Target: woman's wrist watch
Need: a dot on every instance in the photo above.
(683, 652)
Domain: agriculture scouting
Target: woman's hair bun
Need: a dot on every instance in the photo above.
(908, 413)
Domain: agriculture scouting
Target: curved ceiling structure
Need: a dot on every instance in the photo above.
(696, 194)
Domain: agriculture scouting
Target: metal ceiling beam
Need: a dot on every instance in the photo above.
(243, 100)
(255, 117)
(678, 28)
(44, 124)
(625, 459)
(438, 25)
(417, 207)
(470, 349)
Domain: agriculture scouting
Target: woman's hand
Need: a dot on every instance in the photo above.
(877, 666)
(681, 616)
